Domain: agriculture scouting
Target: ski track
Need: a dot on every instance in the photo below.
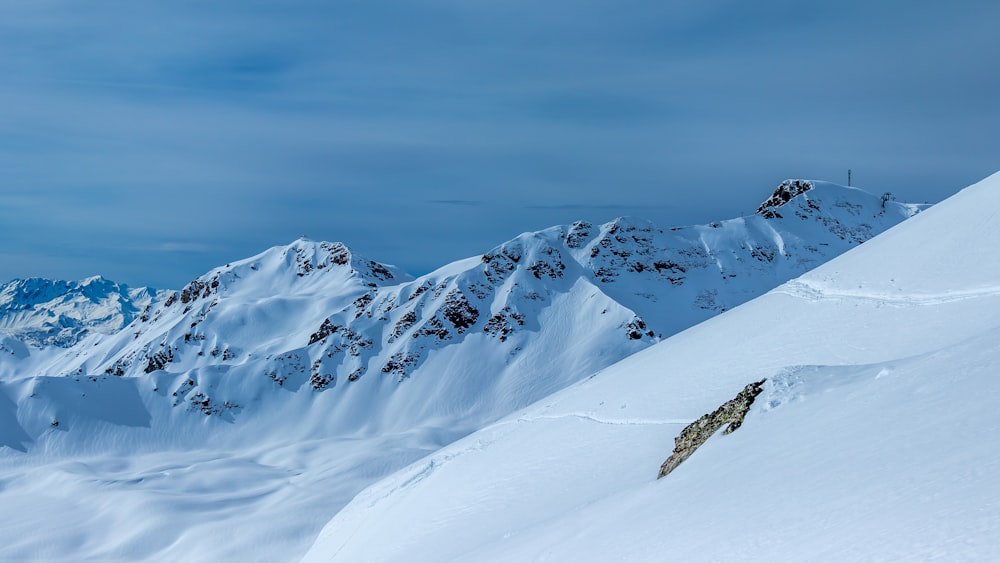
(428, 467)
(593, 418)
(813, 292)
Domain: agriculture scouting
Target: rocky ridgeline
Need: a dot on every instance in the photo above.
(654, 272)
(730, 413)
(195, 307)
(344, 319)
(390, 330)
(782, 195)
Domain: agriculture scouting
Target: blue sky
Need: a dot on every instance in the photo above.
(150, 141)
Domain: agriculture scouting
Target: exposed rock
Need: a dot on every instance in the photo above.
(433, 327)
(502, 324)
(420, 290)
(337, 252)
(320, 381)
(636, 329)
(326, 329)
(578, 233)
(204, 403)
(158, 360)
(458, 311)
(502, 261)
(196, 289)
(361, 302)
(279, 379)
(379, 271)
(182, 391)
(355, 342)
(120, 366)
(695, 434)
(402, 325)
(400, 363)
(543, 268)
(782, 195)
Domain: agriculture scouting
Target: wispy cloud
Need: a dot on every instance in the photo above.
(184, 247)
(459, 202)
(597, 206)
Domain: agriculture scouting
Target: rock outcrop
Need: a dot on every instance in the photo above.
(695, 434)
(782, 195)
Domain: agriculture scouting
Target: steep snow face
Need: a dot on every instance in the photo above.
(60, 313)
(873, 437)
(310, 361)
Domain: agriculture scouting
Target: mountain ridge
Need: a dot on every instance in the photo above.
(315, 314)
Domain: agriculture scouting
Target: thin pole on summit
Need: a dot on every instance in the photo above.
(848, 177)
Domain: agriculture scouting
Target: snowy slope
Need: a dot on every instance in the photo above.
(267, 393)
(874, 438)
(44, 312)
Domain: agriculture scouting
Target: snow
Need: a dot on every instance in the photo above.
(873, 440)
(195, 504)
(60, 313)
(223, 412)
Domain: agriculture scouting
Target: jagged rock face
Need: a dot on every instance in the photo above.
(782, 195)
(44, 312)
(730, 413)
(189, 324)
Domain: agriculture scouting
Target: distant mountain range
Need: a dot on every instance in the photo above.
(45, 312)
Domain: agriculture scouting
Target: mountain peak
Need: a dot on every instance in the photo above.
(98, 279)
(628, 222)
(783, 194)
(302, 266)
(308, 256)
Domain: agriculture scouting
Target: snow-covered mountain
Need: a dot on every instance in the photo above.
(312, 365)
(528, 317)
(872, 438)
(44, 312)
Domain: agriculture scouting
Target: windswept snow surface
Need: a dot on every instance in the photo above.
(875, 438)
(233, 418)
